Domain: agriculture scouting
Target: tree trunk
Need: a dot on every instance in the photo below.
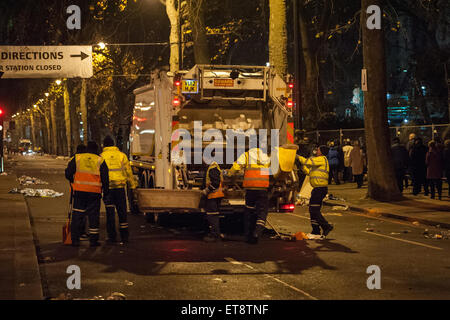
(201, 49)
(74, 115)
(310, 91)
(48, 131)
(67, 120)
(382, 182)
(174, 38)
(84, 111)
(54, 127)
(278, 36)
(33, 130)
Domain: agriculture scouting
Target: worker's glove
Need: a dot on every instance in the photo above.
(205, 192)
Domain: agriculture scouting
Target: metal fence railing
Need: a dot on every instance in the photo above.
(426, 132)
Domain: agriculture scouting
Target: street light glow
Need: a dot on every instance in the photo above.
(58, 82)
(47, 94)
(102, 45)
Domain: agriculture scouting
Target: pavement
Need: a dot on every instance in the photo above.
(416, 209)
(19, 269)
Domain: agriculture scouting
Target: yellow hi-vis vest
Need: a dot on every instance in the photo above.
(256, 165)
(119, 168)
(318, 170)
(218, 193)
(87, 175)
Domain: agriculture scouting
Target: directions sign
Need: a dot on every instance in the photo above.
(45, 62)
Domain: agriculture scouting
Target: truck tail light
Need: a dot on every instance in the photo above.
(176, 102)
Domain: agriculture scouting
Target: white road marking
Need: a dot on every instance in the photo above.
(233, 261)
(403, 240)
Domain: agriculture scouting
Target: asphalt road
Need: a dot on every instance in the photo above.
(174, 263)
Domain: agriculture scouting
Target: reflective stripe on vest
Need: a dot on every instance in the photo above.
(87, 175)
(256, 178)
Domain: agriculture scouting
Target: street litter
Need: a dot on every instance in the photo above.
(370, 230)
(416, 223)
(129, 283)
(406, 231)
(332, 197)
(116, 296)
(395, 233)
(3, 174)
(338, 208)
(43, 193)
(26, 180)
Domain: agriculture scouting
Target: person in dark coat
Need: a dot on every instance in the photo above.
(447, 163)
(435, 167)
(333, 160)
(400, 158)
(418, 167)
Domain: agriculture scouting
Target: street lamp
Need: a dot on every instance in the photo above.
(58, 82)
(47, 94)
(102, 45)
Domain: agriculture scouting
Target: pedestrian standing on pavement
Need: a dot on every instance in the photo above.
(317, 168)
(356, 162)
(213, 191)
(347, 148)
(120, 175)
(435, 168)
(417, 157)
(88, 174)
(447, 163)
(400, 158)
(256, 165)
(333, 160)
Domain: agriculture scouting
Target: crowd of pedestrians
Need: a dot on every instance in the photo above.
(426, 164)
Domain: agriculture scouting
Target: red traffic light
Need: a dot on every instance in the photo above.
(176, 102)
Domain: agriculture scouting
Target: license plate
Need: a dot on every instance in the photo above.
(189, 86)
(223, 83)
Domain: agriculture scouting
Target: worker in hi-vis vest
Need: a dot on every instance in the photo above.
(213, 192)
(256, 166)
(88, 174)
(120, 175)
(318, 169)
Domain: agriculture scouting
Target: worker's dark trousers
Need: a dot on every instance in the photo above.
(85, 204)
(315, 204)
(257, 206)
(116, 200)
(400, 176)
(212, 207)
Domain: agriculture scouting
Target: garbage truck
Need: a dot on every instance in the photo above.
(180, 118)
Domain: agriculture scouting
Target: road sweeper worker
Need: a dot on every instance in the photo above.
(120, 175)
(256, 166)
(213, 192)
(318, 169)
(88, 174)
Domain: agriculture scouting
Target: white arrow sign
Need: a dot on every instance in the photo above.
(46, 62)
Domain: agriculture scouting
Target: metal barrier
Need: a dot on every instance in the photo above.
(426, 132)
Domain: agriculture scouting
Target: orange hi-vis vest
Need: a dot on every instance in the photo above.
(87, 176)
(256, 175)
(218, 193)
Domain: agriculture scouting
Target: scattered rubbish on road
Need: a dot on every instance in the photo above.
(22, 285)
(26, 180)
(339, 208)
(3, 174)
(129, 283)
(416, 223)
(332, 197)
(43, 193)
(395, 233)
(370, 230)
(406, 231)
(116, 296)
(337, 214)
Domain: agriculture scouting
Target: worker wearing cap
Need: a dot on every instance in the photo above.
(255, 164)
(120, 175)
(88, 174)
(213, 192)
(318, 169)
